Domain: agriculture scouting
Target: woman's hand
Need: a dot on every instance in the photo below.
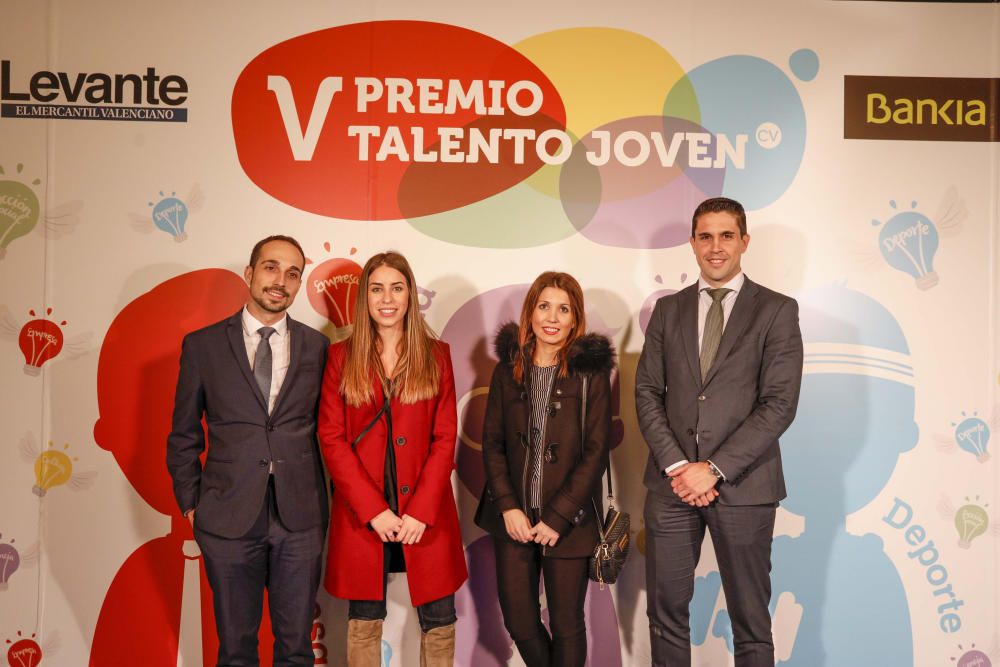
(545, 535)
(411, 530)
(387, 525)
(518, 526)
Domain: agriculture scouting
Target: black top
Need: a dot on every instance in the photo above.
(394, 561)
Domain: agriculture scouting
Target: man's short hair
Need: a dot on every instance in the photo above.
(721, 205)
(255, 253)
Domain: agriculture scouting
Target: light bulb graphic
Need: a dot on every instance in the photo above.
(10, 560)
(646, 312)
(170, 215)
(40, 340)
(52, 468)
(908, 242)
(973, 658)
(18, 210)
(24, 652)
(425, 297)
(640, 538)
(332, 287)
(972, 434)
(971, 521)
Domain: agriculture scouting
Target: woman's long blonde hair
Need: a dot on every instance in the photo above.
(416, 376)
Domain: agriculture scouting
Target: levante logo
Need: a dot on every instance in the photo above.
(145, 96)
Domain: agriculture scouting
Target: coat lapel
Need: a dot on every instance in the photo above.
(688, 307)
(742, 313)
(295, 352)
(239, 349)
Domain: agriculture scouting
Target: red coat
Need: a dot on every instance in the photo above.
(424, 434)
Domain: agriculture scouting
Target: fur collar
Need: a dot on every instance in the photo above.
(591, 353)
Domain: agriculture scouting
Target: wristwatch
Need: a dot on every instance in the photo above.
(715, 471)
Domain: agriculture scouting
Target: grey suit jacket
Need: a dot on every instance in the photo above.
(217, 384)
(747, 400)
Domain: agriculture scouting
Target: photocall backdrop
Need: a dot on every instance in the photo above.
(144, 148)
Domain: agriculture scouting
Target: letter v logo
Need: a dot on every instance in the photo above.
(303, 144)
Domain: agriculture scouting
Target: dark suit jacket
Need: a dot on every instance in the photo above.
(216, 382)
(747, 400)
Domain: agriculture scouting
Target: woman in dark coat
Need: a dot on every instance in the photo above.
(543, 477)
(387, 428)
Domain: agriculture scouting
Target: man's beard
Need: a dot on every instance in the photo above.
(263, 302)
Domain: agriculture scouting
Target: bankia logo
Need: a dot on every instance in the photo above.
(921, 108)
(128, 96)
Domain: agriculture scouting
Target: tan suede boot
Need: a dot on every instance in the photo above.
(364, 643)
(437, 647)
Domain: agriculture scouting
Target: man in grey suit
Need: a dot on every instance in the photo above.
(717, 383)
(258, 505)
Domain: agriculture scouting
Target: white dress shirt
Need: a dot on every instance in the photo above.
(280, 349)
(704, 303)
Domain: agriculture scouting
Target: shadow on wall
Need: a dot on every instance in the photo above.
(159, 604)
(855, 419)
(759, 261)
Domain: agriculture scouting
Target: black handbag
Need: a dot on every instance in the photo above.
(612, 550)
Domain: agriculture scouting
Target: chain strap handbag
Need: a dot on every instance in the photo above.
(610, 554)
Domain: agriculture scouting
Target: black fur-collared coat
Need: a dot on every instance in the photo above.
(572, 466)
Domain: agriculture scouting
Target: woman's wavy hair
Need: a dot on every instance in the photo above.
(416, 376)
(526, 337)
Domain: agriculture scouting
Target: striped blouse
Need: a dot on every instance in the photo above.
(542, 379)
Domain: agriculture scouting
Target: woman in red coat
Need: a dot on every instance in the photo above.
(387, 427)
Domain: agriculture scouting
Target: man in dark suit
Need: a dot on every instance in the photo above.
(258, 505)
(717, 383)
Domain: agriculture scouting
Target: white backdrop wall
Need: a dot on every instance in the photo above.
(886, 549)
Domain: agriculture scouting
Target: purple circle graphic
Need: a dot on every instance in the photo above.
(645, 205)
(470, 333)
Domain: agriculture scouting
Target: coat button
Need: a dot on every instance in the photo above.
(690, 431)
(400, 441)
(702, 397)
(262, 463)
(404, 489)
(270, 427)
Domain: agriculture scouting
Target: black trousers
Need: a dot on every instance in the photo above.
(287, 564)
(519, 567)
(433, 614)
(741, 536)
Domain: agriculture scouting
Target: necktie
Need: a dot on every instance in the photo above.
(712, 334)
(262, 364)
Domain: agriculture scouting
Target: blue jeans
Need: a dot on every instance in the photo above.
(433, 614)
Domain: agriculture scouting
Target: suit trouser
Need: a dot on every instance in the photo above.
(286, 563)
(519, 567)
(741, 536)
